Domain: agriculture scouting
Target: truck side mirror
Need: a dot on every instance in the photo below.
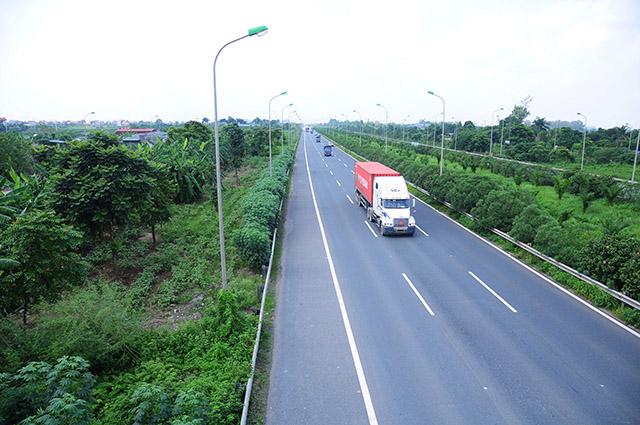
(413, 204)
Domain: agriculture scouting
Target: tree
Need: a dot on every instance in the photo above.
(587, 198)
(560, 185)
(258, 143)
(540, 124)
(611, 193)
(479, 142)
(190, 165)
(193, 130)
(468, 125)
(519, 113)
(102, 189)
(520, 133)
(15, 153)
(561, 154)
(45, 249)
(233, 136)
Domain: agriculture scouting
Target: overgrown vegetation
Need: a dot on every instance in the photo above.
(122, 327)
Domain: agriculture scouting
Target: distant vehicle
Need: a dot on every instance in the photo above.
(327, 150)
(318, 138)
(383, 194)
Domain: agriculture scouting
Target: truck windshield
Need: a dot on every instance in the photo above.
(395, 203)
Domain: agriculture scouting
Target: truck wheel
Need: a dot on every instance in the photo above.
(358, 199)
(381, 229)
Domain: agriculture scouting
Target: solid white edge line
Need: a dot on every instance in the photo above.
(366, 222)
(537, 273)
(425, 233)
(493, 292)
(424, 303)
(373, 420)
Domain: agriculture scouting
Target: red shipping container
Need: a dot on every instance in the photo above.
(366, 172)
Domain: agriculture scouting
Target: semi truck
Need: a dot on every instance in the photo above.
(383, 194)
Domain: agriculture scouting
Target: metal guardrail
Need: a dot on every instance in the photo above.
(620, 296)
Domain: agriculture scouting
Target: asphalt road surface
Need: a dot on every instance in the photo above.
(438, 328)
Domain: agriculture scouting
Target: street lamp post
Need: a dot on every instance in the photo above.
(501, 137)
(491, 138)
(259, 31)
(386, 115)
(404, 127)
(282, 125)
(346, 136)
(442, 146)
(86, 133)
(584, 139)
(360, 119)
(281, 94)
(635, 159)
(289, 122)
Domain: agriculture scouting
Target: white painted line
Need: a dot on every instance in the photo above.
(344, 164)
(331, 172)
(493, 292)
(338, 183)
(425, 233)
(369, 226)
(353, 172)
(424, 303)
(373, 420)
(350, 200)
(537, 273)
(326, 165)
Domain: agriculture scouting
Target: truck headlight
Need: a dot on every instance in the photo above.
(412, 221)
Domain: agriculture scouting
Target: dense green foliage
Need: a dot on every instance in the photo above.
(102, 187)
(152, 340)
(261, 211)
(189, 155)
(15, 153)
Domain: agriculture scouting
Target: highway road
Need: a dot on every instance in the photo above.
(438, 328)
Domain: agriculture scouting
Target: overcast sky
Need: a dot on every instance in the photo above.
(138, 59)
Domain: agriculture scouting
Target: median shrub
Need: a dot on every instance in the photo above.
(500, 207)
(253, 242)
(261, 212)
(615, 261)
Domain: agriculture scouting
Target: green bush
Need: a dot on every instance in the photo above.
(254, 244)
(261, 208)
(91, 322)
(500, 207)
(41, 394)
(613, 260)
(526, 224)
(470, 189)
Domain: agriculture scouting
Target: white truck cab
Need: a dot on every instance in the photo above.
(391, 205)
